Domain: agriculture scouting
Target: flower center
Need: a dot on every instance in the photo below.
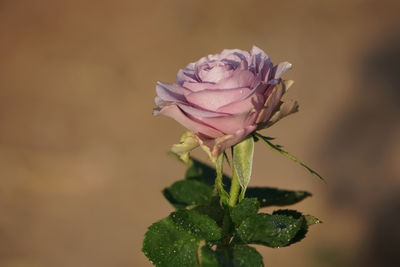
(215, 71)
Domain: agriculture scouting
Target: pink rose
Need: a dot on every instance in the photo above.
(222, 98)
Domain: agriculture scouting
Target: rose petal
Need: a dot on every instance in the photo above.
(271, 103)
(158, 101)
(285, 109)
(241, 57)
(197, 86)
(190, 67)
(213, 99)
(246, 101)
(238, 79)
(280, 69)
(258, 59)
(199, 65)
(260, 63)
(170, 92)
(216, 73)
(185, 76)
(200, 112)
(174, 112)
(233, 123)
(255, 101)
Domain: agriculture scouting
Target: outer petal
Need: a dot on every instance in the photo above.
(213, 99)
(174, 112)
(185, 76)
(170, 92)
(274, 109)
(239, 78)
(198, 86)
(158, 101)
(190, 67)
(231, 124)
(271, 103)
(253, 100)
(196, 112)
(285, 109)
(260, 62)
(280, 69)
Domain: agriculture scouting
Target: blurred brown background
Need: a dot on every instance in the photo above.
(83, 161)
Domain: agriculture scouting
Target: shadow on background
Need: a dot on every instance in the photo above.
(361, 156)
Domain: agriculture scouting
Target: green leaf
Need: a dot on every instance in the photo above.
(198, 224)
(307, 221)
(246, 208)
(167, 245)
(279, 149)
(243, 161)
(268, 196)
(245, 256)
(188, 192)
(270, 230)
(181, 240)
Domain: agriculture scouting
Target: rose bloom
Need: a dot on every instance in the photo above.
(222, 98)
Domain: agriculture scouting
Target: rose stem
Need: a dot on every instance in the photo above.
(226, 223)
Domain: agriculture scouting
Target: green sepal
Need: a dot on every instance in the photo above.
(246, 208)
(187, 143)
(268, 196)
(276, 230)
(278, 148)
(219, 185)
(227, 159)
(243, 161)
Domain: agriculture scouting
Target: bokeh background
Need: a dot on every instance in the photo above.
(83, 161)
